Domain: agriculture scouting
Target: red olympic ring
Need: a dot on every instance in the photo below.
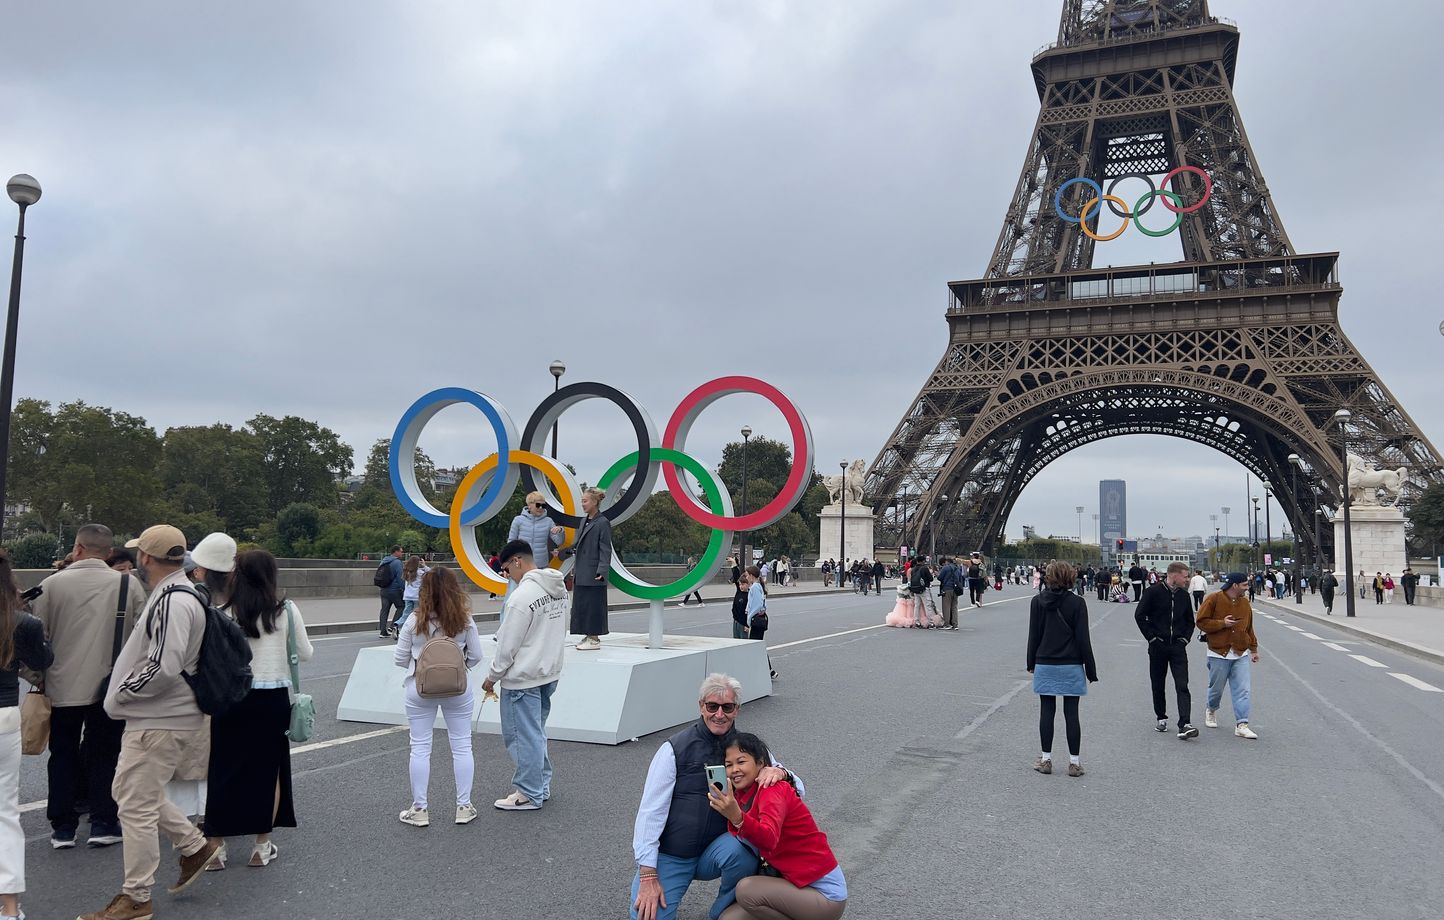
(1207, 190)
(802, 455)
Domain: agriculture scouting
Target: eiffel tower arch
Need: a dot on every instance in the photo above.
(1237, 346)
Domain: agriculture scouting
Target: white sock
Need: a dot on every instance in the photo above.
(1073, 759)
(1046, 755)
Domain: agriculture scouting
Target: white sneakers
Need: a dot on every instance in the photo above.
(416, 817)
(465, 814)
(1241, 730)
(589, 644)
(1210, 718)
(517, 802)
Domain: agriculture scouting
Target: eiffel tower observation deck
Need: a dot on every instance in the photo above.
(1237, 346)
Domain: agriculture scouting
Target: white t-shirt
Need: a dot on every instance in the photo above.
(1198, 583)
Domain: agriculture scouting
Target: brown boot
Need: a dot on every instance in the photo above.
(121, 907)
(193, 865)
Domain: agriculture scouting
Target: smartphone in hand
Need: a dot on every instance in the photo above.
(717, 778)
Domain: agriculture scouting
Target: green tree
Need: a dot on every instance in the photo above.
(1426, 520)
(301, 461)
(216, 468)
(1042, 550)
(34, 551)
(767, 460)
(298, 524)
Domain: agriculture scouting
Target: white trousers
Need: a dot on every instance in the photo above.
(12, 839)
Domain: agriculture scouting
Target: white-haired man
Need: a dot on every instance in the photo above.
(678, 838)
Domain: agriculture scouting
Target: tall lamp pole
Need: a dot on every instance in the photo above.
(1213, 520)
(1258, 559)
(24, 191)
(1295, 461)
(557, 368)
(842, 522)
(746, 436)
(1079, 509)
(1318, 559)
(1341, 418)
(1096, 537)
(1225, 510)
(1268, 525)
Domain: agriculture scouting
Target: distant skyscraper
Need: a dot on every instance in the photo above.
(1113, 511)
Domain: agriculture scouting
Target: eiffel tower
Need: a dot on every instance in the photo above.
(1237, 346)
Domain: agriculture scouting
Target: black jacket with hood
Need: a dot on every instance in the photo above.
(1058, 631)
(1165, 615)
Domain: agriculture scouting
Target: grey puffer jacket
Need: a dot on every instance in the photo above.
(534, 530)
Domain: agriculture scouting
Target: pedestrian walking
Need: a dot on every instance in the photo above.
(1410, 582)
(411, 573)
(1165, 616)
(1060, 658)
(437, 647)
(1363, 583)
(88, 610)
(1378, 584)
(949, 578)
(148, 691)
(692, 564)
(1197, 587)
(22, 643)
(1136, 576)
(1388, 588)
(527, 665)
(878, 571)
(1226, 619)
(977, 581)
(250, 758)
(390, 581)
(593, 551)
(1327, 584)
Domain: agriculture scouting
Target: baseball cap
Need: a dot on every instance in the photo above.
(162, 541)
(1234, 578)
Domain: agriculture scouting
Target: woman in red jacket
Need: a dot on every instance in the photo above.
(807, 883)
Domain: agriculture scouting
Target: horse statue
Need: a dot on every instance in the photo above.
(1364, 482)
(849, 483)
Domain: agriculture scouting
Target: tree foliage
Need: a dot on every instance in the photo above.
(1426, 520)
(301, 461)
(1043, 550)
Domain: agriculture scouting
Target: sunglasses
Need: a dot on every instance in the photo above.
(538, 504)
(728, 708)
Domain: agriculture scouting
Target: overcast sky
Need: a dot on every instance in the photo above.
(328, 209)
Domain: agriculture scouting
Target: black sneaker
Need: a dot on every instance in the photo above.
(103, 834)
(62, 838)
(1187, 731)
(1162, 726)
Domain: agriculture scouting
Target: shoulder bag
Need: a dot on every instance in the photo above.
(303, 708)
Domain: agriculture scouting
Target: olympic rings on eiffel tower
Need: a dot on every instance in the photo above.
(1171, 200)
(485, 490)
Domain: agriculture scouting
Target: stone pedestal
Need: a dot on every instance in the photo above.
(858, 539)
(1378, 544)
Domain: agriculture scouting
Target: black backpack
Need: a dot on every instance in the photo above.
(223, 674)
(384, 576)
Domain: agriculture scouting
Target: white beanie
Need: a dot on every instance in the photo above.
(215, 553)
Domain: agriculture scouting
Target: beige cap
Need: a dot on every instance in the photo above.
(161, 541)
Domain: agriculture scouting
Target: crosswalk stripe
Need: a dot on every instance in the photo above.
(1335, 646)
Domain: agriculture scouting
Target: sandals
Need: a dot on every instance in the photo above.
(263, 854)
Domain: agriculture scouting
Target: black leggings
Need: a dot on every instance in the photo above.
(1070, 721)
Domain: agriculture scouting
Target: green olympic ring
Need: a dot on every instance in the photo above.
(1149, 196)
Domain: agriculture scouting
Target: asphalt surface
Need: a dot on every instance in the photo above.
(916, 748)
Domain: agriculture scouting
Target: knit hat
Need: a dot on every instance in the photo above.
(215, 553)
(161, 541)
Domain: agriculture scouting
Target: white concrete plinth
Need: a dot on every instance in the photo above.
(1378, 544)
(622, 691)
(859, 526)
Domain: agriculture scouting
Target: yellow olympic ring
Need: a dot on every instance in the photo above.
(463, 538)
(1116, 233)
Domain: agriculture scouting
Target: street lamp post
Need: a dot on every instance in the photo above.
(1295, 461)
(1079, 509)
(746, 436)
(1213, 521)
(24, 191)
(557, 368)
(1258, 558)
(1097, 538)
(1268, 525)
(1225, 510)
(842, 522)
(1318, 560)
(1341, 418)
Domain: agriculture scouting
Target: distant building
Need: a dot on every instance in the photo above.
(1029, 532)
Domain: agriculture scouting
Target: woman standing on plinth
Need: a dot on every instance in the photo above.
(593, 552)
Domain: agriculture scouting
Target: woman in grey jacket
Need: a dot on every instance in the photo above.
(537, 528)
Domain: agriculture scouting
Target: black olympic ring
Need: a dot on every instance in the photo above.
(1152, 194)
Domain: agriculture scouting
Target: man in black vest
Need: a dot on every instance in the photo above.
(678, 838)
(1165, 617)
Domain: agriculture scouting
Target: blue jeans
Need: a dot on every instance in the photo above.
(523, 731)
(726, 858)
(406, 608)
(1235, 673)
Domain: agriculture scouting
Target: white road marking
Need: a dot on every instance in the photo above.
(1416, 683)
(1336, 647)
(1368, 661)
(848, 632)
(1294, 628)
(1309, 635)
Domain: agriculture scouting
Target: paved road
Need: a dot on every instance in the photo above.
(916, 748)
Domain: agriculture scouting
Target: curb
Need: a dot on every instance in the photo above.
(357, 626)
(1342, 624)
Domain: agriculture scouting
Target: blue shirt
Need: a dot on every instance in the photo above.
(756, 601)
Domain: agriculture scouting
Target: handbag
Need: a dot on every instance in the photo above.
(303, 708)
(34, 723)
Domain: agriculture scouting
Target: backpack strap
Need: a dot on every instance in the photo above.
(120, 609)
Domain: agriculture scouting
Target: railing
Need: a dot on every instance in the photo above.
(1134, 36)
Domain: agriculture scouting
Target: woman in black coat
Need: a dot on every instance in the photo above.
(1060, 658)
(593, 552)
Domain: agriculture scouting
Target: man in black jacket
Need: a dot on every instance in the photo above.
(1327, 585)
(1137, 575)
(1165, 617)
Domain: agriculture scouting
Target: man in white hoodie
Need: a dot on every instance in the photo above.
(528, 661)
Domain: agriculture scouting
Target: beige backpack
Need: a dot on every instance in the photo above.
(441, 668)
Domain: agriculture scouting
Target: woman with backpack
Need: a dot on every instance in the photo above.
(250, 762)
(22, 642)
(437, 647)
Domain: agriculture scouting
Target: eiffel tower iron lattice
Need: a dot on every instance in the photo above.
(1237, 347)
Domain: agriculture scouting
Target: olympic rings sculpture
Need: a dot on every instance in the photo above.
(1171, 201)
(484, 491)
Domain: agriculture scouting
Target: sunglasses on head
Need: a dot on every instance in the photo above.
(728, 708)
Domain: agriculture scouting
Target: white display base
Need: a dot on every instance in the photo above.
(620, 692)
(859, 526)
(1378, 544)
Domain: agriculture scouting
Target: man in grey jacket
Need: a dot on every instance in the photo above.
(80, 609)
(527, 663)
(149, 691)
